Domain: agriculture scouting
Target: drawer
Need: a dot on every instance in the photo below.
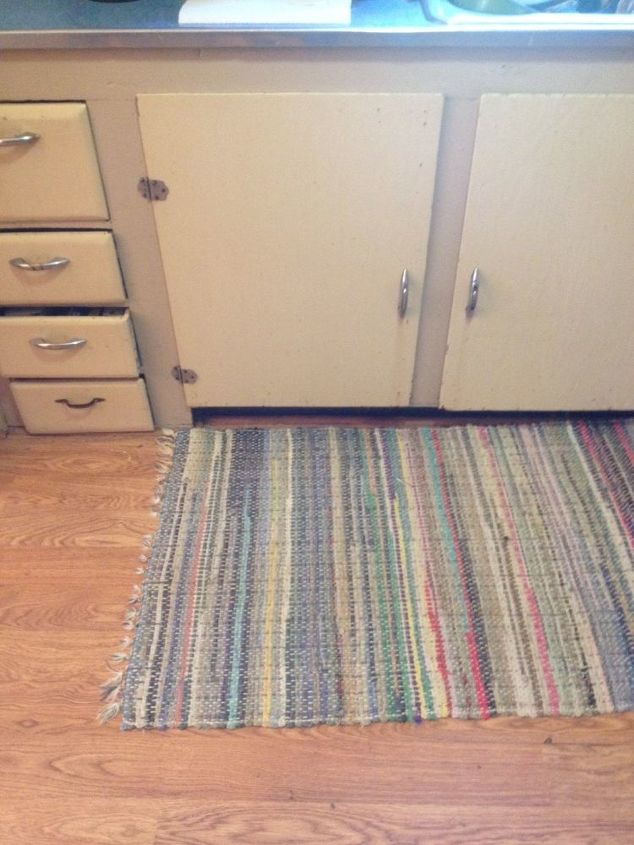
(58, 407)
(80, 346)
(59, 268)
(48, 164)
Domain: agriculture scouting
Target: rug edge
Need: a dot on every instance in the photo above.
(112, 688)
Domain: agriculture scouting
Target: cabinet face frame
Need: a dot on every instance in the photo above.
(285, 239)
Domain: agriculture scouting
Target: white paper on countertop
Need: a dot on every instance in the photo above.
(265, 12)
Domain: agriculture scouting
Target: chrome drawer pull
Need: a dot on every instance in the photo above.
(19, 140)
(23, 264)
(474, 289)
(73, 343)
(404, 295)
(79, 405)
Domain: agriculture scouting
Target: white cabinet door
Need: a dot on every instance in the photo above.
(289, 222)
(549, 225)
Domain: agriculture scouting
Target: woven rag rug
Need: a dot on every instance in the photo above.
(302, 576)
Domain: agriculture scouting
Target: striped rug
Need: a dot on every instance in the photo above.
(302, 576)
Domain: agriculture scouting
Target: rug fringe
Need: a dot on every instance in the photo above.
(112, 688)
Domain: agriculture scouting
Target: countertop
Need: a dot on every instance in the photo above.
(70, 24)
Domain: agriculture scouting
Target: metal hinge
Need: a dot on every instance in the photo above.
(184, 376)
(152, 189)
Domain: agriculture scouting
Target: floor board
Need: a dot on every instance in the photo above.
(72, 513)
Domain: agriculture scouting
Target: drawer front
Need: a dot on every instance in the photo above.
(59, 268)
(59, 407)
(78, 347)
(48, 164)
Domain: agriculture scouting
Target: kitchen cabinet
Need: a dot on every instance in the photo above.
(294, 241)
(548, 226)
(299, 187)
(70, 366)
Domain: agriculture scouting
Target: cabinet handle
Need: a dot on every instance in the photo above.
(73, 343)
(403, 295)
(23, 264)
(19, 140)
(80, 405)
(474, 288)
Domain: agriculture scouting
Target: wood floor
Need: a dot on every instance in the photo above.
(72, 511)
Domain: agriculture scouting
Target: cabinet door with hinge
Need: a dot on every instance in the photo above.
(293, 239)
(547, 321)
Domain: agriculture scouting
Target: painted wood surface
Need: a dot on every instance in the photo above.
(109, 350)
(72, 513)
(289, 222)
(110, 81)
(55, 406)
(92, 275)
(549, 224)
(57, 176)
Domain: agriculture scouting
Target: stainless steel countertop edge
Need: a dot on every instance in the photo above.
(262, 38)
